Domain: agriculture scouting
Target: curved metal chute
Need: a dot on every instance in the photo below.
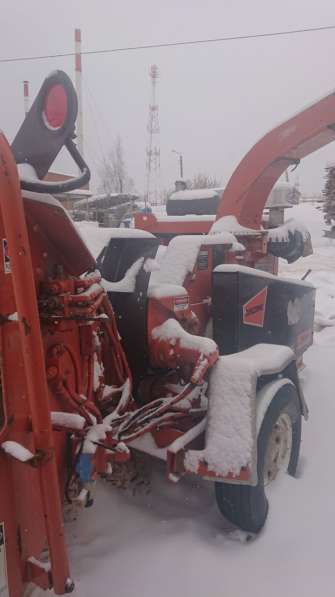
(250, 184)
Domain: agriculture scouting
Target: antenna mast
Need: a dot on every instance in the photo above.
(153, 148)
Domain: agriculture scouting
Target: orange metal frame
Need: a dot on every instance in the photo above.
(27, 371)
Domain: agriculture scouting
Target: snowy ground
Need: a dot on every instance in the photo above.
(171, 541)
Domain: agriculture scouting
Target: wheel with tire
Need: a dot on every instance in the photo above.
(278, 446)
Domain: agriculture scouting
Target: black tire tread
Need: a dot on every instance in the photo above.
(244, 506)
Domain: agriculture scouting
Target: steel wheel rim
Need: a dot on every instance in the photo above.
(279, 447)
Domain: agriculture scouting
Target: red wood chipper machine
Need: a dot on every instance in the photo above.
(174, 344)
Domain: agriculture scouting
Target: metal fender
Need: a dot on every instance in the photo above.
(265, 396)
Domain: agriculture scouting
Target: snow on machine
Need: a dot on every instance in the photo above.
(180, 343)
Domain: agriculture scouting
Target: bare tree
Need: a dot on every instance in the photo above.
(113, 172)
(204, 181)
(329, 200)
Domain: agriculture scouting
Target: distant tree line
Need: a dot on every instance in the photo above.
(204, 181)
(329, 200)
(114, 176)
(113, 172)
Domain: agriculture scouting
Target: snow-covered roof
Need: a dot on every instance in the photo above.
(188, 218)
(283, 194)
(193, 194)
(101, 198)
(79, 191)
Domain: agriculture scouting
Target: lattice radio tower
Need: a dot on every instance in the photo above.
(153, 150)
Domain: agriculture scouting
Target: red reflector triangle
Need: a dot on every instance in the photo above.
(254, 309)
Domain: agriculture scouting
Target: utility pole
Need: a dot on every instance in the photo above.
(77, 66)
(78, 81)
(26, 97)
(181, 165)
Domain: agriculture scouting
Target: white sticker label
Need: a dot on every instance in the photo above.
(294, 311)
(5, 257)
(4, 592)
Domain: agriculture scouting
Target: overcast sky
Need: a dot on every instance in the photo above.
(215, 100)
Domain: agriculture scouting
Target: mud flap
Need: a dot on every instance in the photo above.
(230, 453)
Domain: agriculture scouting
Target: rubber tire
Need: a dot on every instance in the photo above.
(244, 506)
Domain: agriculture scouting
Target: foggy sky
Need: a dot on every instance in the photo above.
(215, 101)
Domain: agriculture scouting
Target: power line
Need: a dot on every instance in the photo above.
(193, 42)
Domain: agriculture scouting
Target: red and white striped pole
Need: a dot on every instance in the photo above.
(26, 97)
(80, 135)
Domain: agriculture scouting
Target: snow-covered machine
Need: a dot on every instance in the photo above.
(172, 349)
